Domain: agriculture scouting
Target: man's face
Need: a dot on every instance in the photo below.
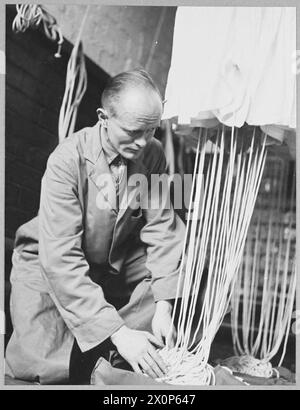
(138, 114)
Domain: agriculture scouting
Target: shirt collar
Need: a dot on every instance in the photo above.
(109, 151)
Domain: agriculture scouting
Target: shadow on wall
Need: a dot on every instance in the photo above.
(35, 84)
(120, 38)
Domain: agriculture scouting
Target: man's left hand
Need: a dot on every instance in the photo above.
(161, 323)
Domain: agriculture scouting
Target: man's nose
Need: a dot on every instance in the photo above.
(141, 142)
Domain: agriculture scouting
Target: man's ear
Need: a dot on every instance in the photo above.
(102, 115)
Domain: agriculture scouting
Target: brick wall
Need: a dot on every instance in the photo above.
(35, 84)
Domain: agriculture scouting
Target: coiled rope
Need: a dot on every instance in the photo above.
(184, 369)
(76, 85)
(29, 15)
(249, 365)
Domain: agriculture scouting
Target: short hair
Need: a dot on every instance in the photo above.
(116, 85)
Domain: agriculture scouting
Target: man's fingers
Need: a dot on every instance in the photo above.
(147, 368)
(153, 365)
(170, 342)
(154, 340)
(158, 336)
(136, 368)
(171, 337)
(158, 360)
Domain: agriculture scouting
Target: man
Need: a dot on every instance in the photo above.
(89, 274)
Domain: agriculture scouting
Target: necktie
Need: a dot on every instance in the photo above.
(118, 167)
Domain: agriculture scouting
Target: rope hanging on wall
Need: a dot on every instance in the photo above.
(262, 306)
(217, 225)
(29, 15)
(76, 85)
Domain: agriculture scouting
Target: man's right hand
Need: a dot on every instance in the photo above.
(136, 347)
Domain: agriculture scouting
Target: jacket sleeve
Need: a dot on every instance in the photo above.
(163, 235)
(79, 300)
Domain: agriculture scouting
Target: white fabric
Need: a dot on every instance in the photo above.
(235, 64)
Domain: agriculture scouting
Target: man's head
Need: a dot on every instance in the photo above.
(132, 110)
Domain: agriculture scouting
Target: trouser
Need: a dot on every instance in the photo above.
(137, 314)
(132, 296)
(41, 344)
(42, 348)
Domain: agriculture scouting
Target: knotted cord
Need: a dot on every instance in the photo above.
(32, 15)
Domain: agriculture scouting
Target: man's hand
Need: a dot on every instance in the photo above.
(162, 322)
(136, 347)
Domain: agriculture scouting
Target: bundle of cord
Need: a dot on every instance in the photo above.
(32, 15)
(249, 365)
(264, 295)
(76, 85)
(184, 369)
(224, 191)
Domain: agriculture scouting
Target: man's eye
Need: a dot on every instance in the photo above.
(135, 134)
(138, 134)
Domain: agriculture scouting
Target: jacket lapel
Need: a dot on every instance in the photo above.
(131, 191)
(98, 169)
(124, 215)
